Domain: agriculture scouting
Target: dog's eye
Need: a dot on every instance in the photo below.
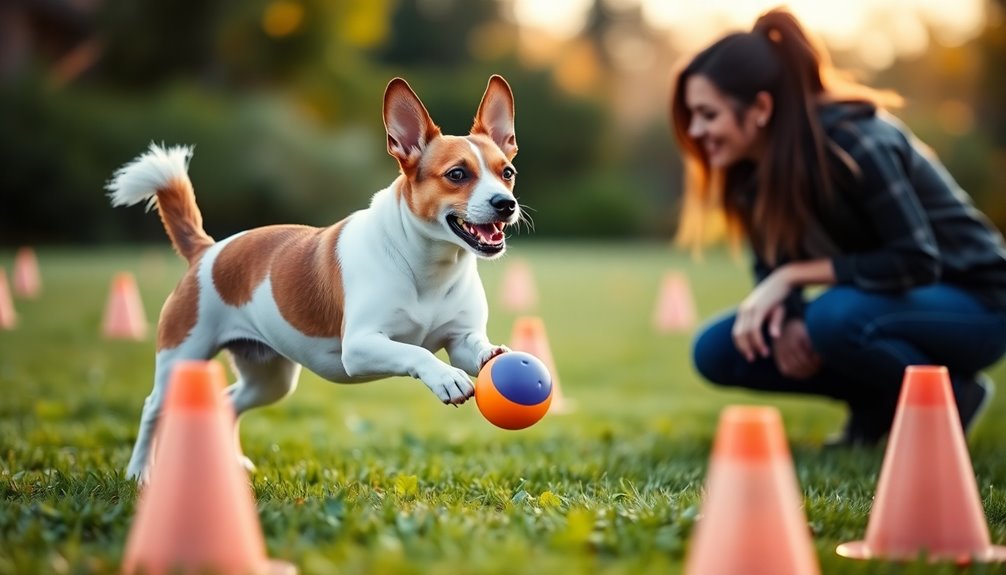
(509, 173)
(457, 174)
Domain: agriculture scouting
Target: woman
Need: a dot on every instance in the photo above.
(830, 190)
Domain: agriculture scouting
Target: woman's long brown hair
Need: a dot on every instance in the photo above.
(772, 202)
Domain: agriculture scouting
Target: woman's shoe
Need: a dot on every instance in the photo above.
(863, 428)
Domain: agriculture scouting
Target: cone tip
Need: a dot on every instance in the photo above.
(926, 385)
(195, 385)
(528, 324)
(123, 279)
(750, 433)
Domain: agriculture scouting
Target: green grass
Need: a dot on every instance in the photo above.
(382, 478)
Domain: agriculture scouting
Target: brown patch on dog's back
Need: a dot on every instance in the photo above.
(307, 282)
(180, 311)
(244, 262)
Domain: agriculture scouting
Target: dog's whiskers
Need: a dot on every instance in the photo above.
(525, 218)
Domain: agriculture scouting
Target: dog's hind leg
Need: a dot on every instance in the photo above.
(264, 377)
(142, 457)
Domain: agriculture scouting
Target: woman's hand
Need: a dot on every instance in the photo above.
(793, 352)
(763, 304)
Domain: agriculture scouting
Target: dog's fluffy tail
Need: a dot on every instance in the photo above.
(160, 176)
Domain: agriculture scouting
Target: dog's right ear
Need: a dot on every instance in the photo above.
(407, 123)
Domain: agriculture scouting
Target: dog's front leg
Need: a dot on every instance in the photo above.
(471, 351)
(375, 354)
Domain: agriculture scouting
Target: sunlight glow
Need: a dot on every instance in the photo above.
(876, 31)
(282, 18)
(561, 18)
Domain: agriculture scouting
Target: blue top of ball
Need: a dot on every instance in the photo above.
(521, 377)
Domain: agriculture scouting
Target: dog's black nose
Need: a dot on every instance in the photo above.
(503, 204)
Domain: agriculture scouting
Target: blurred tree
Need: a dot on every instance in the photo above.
(991, 111)
(993, 82)
(151, 42)
(435, 33)
(283, 99)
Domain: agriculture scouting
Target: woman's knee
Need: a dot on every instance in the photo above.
(833, 319)
(713, 352)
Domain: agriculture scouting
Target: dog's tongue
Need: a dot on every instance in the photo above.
(489, 233)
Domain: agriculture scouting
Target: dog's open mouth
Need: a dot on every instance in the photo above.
(484, 238)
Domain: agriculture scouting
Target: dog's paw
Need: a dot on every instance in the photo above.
(141, 475)
(491, 352)
(246, 463)
(451, 385)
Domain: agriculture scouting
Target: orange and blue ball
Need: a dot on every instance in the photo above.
(513, 390)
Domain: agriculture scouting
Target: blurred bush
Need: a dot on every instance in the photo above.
(256, 162)
(282, 99)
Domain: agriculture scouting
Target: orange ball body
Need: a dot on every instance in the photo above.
(513, 390)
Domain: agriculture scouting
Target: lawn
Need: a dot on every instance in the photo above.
(382, 478)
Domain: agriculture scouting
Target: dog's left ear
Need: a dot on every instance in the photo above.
(495, 116)
(407, 123)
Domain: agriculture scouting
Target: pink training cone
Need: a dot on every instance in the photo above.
(8, 317)
(927, 498)
(675, 311)
(197, 513)
(529, 336)
(27, 281)
(124, 315)
(519, 293)
(752, 522)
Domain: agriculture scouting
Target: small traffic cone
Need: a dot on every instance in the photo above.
(927, 498)
(751, 521)
(675, 310)
(124, 315)
(529, 336)
(197, 513)
(27, 281)
(518, 293)
(8, 317)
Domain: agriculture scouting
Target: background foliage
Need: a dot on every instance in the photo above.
(282, 100)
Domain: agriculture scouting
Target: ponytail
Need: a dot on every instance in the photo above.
(794, 166)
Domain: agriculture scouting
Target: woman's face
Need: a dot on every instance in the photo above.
(716, 127)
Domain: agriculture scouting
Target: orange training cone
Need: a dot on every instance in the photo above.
(197, 513)
(675, 311)
(751, 520)
(27, 281)
(927, 497)
(529, 336)
(124, 316)
(518, 294)
(8, 317)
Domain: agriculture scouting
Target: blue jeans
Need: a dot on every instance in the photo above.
(865, 341)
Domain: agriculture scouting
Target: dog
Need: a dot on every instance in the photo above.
(373, 296)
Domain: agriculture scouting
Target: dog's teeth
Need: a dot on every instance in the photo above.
(460, 221)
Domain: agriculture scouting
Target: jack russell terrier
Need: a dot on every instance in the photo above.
(373, 296)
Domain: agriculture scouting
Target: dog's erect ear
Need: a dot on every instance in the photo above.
(495, 116)
(407, 123)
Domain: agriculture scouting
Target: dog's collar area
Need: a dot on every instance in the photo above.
(473, 234)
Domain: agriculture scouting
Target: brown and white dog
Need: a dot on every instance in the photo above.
(373, 296)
